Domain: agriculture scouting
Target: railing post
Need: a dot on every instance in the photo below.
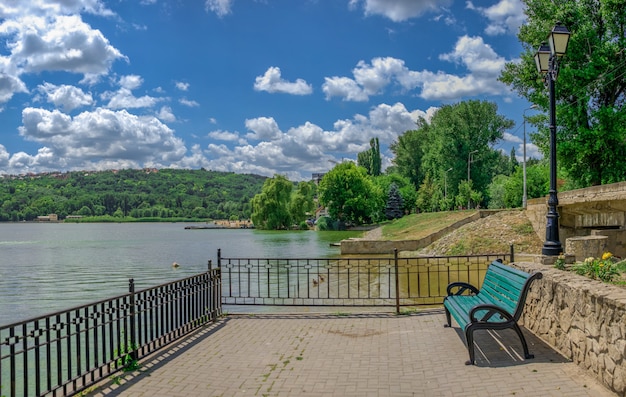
(395, 264)
(210, 265)
(219, 257)
(512, 254)
(132, 347)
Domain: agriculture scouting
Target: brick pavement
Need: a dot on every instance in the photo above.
(359, 354)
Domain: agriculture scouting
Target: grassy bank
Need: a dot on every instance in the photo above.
(492, 234)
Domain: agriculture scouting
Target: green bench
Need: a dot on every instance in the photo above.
(497, 305)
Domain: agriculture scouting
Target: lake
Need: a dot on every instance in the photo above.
(46, 267)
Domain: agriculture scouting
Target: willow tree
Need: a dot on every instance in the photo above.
(590, 89)
(270, 208)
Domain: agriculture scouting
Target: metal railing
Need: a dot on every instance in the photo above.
(63, 353)
(384, 281)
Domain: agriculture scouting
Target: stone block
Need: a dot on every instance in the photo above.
(586, 246)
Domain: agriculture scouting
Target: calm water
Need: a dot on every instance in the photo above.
(50, 267)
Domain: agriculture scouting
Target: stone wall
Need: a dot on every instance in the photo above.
(583, 210)
(581, 318)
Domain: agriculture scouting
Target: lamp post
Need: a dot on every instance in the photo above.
(524, 195)
(547, 59)
(445, 184)
(470, 160)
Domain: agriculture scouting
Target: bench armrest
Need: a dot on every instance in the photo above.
(462, 288)
(491, 310)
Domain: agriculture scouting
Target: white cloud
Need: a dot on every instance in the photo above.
(4, 156)
(399, 10)
(10, 9)
(219, 7)
(262, 128)
(101, 136)
(224, 135)
(166, 114)
(189, 103)
(131, 81)
(66, 97)
(309, 148)
(371, 79)
(344, 87)
(272, 82)
(182, 86)
(10, 85)
(478, 57)
(61, 43)
(124, 98)
(505, 17)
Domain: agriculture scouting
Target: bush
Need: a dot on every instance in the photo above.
(603, 269)
(324, 223)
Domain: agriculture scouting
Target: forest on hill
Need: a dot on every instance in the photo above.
(147, 194)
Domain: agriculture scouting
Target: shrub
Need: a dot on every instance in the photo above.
(603, 269)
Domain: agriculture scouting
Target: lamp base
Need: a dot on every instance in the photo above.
(552, 248)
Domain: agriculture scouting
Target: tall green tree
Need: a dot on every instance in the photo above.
(408, 152)
(302, 202)
(370, 158)
(462, 136)
(590, 90)
(270, 208)
(349, 195)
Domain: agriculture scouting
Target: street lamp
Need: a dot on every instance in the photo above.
(470, 160)
(525, 196)
(445, 183)
(547, 61)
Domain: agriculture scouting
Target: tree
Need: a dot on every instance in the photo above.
(408, 151)
(370, 159)
(270, 208)
(496, 192)
(454, 134)
(394, 206)
(302, 202)
(513, 163)
(460, 132)
(426, 197)
(590, 90)
(348, 194)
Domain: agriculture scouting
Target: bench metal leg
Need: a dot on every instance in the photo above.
(518, 330)
(448, 319)
(469, 338)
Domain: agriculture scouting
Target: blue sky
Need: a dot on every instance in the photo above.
(248, 86)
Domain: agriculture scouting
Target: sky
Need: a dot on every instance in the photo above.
(267, 87)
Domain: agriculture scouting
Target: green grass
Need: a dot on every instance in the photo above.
(417, 226)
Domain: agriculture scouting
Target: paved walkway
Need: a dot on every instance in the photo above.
(359, 354)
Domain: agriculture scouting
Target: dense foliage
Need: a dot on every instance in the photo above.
(280, 206)
(165, 193)
(451, 159)
(590, 89)
(350, 195)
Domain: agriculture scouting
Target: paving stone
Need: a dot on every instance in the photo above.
(359, 354)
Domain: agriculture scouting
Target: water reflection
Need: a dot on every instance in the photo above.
(50, 267)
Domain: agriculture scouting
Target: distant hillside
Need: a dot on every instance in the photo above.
(148, 193)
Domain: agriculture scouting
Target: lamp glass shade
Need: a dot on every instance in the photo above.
(558, 39)
(542, 58)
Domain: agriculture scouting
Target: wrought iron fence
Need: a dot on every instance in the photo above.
(384, 281)
(62, 353)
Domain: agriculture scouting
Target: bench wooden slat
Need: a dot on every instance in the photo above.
(497, 305)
